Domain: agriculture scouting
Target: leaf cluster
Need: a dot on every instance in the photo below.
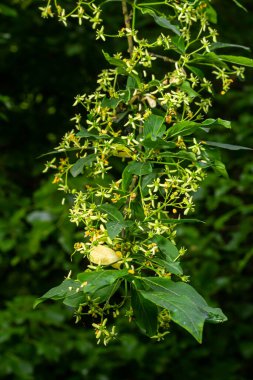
(137, 155)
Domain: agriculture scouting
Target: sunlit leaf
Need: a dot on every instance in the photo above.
(183, 128)
(93, 281)
(216, 123)
(187, 308)
(68, 286)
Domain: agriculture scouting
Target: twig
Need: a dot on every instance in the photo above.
(133, 183)
(128, 26)
(166, 59)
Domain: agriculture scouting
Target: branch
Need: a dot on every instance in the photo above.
(128, 26)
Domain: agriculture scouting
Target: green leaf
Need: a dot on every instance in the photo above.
(227, 146)
(114, 61)
(105, 293)
(214, 314)
(210, 58)
(131, 83)
(123, 96)
(153, 83)
(182, 311)
(179, 44)
(186, 87)
(183, 128)
(168, 249)
(120, 116)
(112, 212)
(243, 61)
(147, 180)
(165, 23)
(187, 308)
(216, 123)
(114, 228)
(77, 168)
(139, 168)
(172, 267)
(161, 21)
(180, 221)
(126, 179)
(145, 312)
(158, 143)
(58, 152)
(196, 71)
(211, 14)
(74, 300)
(240, 5)
(84, 133)
(111, 103)
(211, 154)
(7, 11)
(220, 168)
(121, 65)
(137, 211)
(109, 1)
(222, 45)
(181, 155)
(93, 281)
(153, 127)
(68, 286)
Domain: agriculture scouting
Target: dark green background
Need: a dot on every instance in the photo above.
(43, 66)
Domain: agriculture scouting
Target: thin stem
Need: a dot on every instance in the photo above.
(128, 26)
(166, 59)
(134, 15)
(155, 3)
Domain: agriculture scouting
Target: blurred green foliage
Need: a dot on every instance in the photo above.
(43, 67)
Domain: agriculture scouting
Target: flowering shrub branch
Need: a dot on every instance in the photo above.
(137, 155)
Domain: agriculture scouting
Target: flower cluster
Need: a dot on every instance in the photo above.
(83, 10)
